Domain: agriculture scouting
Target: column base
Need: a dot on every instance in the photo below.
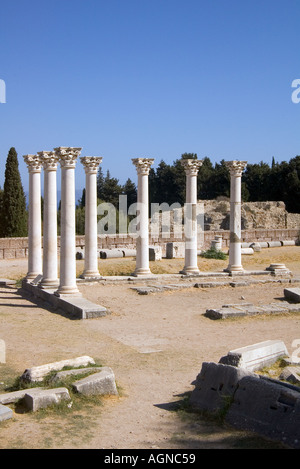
(32, 276)
(190, 271)
(141, 272)
(90, 274)
(48, 284)
(67, 291)
(234, 268)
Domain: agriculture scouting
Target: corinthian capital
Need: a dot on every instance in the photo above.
(191, 166)
(33, 162)
(67, 156)
(91, 163)
(236, 167)
(143, 165)
(49, 160)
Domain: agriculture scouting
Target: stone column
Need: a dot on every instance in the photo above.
(49, 160)
(191, 167)
(35, 221)
(235, 258)
(142, 243)
(91, 164)
(67, 284)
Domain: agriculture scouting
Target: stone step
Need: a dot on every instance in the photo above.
(5, 413)
(102, 383)
(292, 294)
(45, 397)
(256, 356)
(37, 373)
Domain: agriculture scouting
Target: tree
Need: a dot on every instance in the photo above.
(100, 183)
(130, 190)
(111, 190)
(13, 212)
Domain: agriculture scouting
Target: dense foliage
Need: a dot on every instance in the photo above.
(13, 201)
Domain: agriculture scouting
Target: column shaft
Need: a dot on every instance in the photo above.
(235, 257)
(50, 264)
(191, 167)
(142, 242)
(91, 164)
(67, 283)
(34, 221)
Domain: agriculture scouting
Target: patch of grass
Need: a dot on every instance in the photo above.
(213, 253)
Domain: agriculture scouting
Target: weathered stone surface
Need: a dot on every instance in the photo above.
(175, 250)
(101, 383)
(288, 243)
(251, 402)
(256, 247)
(5, 413)
(78, 371)
(237, 311)
(268, 408)
(155, 253)
(291, 374)
(215, 385)
(110, 253)
(37, 373)
(274, 244)
(292, 294)
(44, 398)
(247, 251)
(256, 356)
(15, 396)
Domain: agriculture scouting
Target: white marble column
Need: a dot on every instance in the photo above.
(91, 164)
(235, 257)
(35, 220)
(50, 279)
(191, 167)
(67, 282)
(142, 243)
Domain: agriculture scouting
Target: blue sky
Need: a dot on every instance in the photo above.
(150, 78)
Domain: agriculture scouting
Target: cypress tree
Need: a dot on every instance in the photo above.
(14, 214)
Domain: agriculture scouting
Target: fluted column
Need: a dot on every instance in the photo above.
(191, 167)
(34, 221)
(67, 282)
(235, 257)
(142, 243)
(91, 164)
(50, 279)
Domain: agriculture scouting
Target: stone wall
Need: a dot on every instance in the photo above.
(255, 215)
(13, 248)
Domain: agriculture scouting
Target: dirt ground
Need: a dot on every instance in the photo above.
(155, 345)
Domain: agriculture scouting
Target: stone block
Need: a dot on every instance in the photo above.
(44, 398)
(5, 413)
(37, 373)
(102, 383)
(291, 374)
(2, 351)
(155, 253)
(268, 408)
(256, 356)
(292, 294)
(215, 385)
(247, 251)
(60, 375)
(15, 396)
(175, 250)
